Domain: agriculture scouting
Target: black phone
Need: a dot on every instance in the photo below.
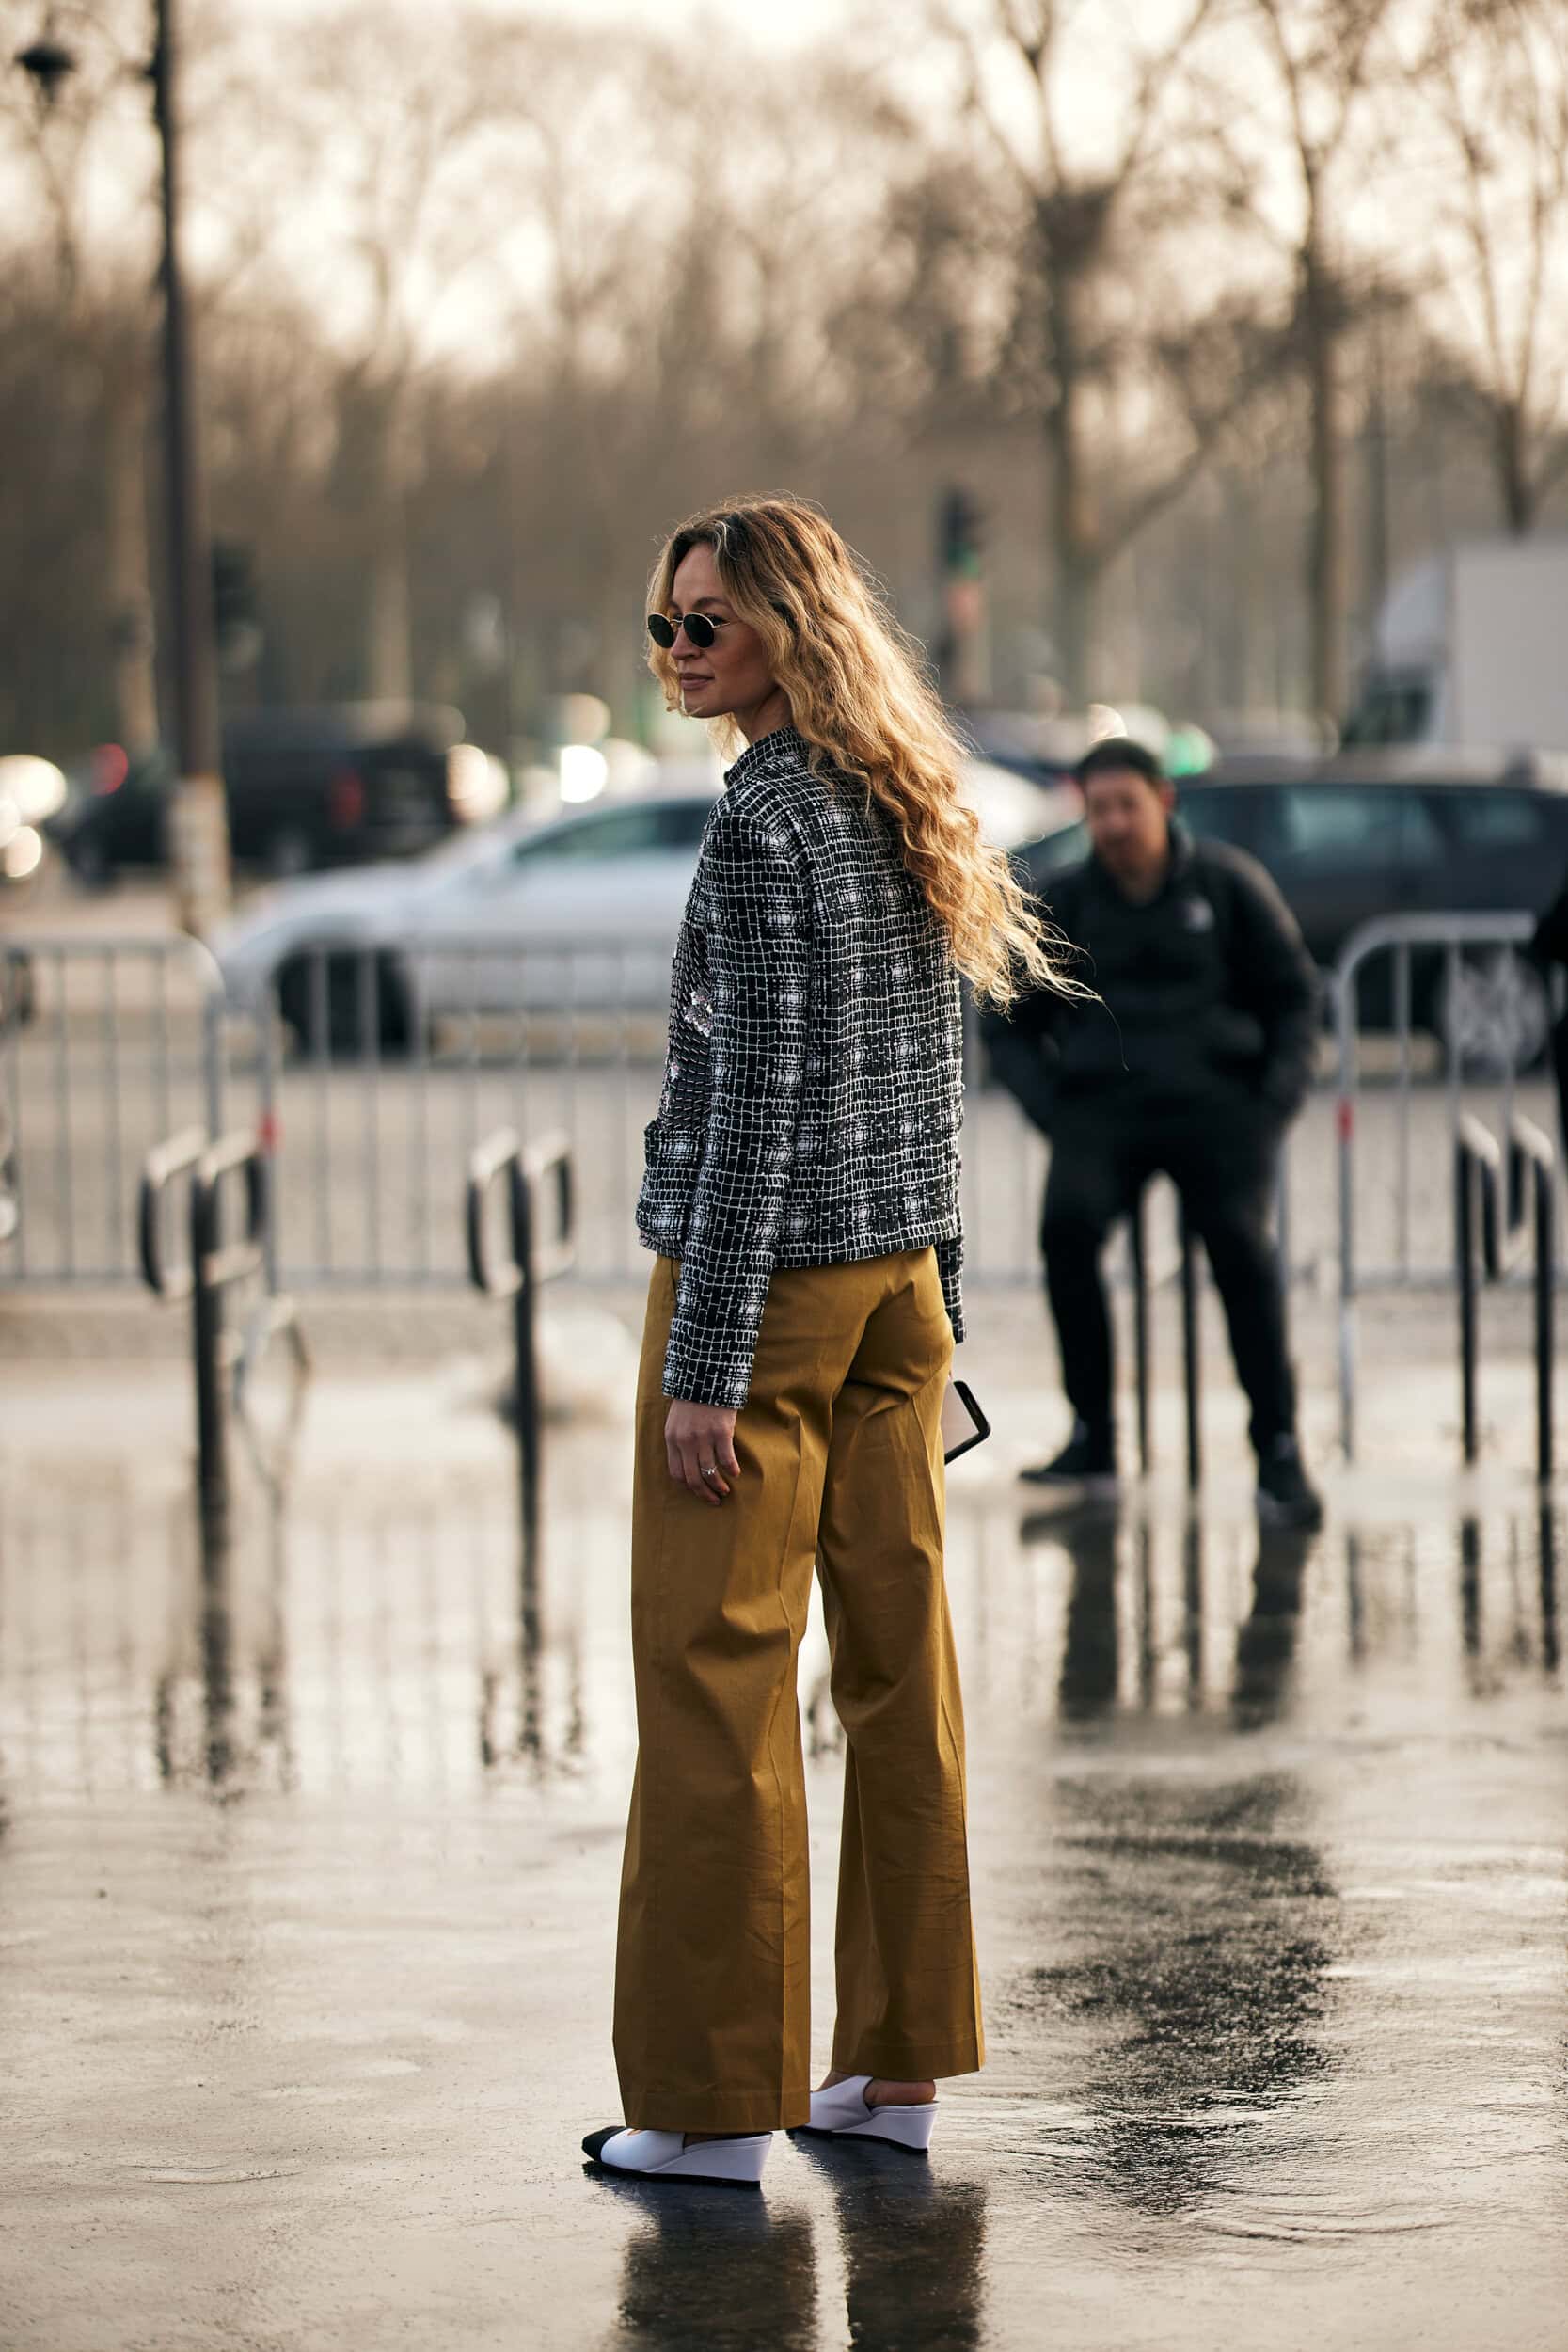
(963, 1424)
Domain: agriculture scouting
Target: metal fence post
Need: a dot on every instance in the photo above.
(1344, 1124)
(211, 1435)
(1465, 1246)
(1545, 1318)
(530, 1264)
(1477, 1165)
(1137, 1241)
(1529, 1148)
(211, 1268)
(526, 1339)
(1190, 1352)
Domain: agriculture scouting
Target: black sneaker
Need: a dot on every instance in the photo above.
(1086, 1462)
(1286, 1495)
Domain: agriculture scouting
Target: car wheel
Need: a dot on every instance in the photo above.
(1492, 1015)
(393, 1013)
(300, 1000)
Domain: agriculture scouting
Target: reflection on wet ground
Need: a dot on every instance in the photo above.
(360, 1639)
(1269, 1848)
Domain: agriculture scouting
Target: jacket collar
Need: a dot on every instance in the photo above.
(783, 749)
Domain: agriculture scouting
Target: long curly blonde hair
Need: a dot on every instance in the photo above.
(858, 694)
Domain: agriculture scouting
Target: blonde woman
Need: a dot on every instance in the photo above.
(801, 1194)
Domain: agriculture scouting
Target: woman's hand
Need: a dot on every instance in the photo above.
(699, 1440)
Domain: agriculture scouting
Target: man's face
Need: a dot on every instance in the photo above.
(1129, 823)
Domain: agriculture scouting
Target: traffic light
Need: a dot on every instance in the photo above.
(963, 535)
(236, 629)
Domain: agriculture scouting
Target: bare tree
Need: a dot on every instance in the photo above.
(1493, 75)
(1089, 215)
(59, 147)
(1322, 55)
(384, 207)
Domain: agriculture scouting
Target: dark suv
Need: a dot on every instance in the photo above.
(331, 785)
(1392, 834)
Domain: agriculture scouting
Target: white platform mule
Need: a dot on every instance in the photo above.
(664, 2156)
(841, 2113)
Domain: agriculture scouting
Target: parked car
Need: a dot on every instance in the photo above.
(305, 788)
(596, 896)
(1350, 839)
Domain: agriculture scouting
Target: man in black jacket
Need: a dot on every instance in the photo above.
(1193, 1060)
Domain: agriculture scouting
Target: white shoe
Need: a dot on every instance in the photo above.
(664, 2156)
(843, 2113)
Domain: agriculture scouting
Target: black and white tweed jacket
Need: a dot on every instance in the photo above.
(814, 1085)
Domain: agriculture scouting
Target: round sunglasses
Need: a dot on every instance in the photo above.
(700, 630)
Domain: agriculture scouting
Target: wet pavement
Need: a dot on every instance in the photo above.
(309, 1857)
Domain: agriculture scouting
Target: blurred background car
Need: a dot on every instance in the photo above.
(596, 897)
(1368, 834)
(308, 788)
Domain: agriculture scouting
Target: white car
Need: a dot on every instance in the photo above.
(577, 912)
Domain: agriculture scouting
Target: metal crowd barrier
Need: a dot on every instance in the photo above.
(532, 1261)
(380, 1078)
(1191, 1358)
(390, 1083)
(1401, 938)
(210, 1266)
(107, 1045)
(1492, 1227)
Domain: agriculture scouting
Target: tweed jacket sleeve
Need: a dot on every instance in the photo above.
(950, 1265)
(753, 901)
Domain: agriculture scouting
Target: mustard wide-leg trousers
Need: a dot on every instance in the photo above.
(840, 1450)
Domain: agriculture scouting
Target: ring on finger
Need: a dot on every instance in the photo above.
(710, 1469)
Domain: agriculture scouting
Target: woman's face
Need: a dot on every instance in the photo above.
(731, 678)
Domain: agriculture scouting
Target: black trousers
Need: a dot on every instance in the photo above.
(1226, 1166)
(1559, 1070)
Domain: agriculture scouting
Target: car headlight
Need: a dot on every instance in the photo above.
(22, 852)
(476, 784)
(35, 787)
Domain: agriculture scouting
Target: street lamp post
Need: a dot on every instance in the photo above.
(199, 818)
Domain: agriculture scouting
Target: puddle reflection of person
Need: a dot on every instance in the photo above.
(914, 2248)
(1266, 1638)
(1090, 1668)
(729, 2270)
(705, 2270)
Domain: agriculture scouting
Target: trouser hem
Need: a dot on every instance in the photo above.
(671, 2109)
(910, 2061)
